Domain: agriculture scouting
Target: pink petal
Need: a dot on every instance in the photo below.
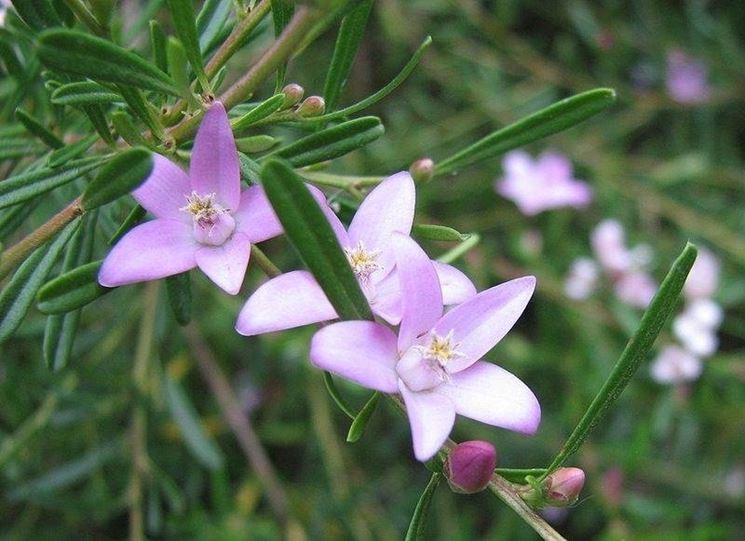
(164, 192)
(431, 416)
(554, 166)
(518, 163)
(255, 217)
(336, 225)
(226, 264)
(361, 351)
(290, 300)
(387, 208)
(214, 159)
(386, 301)
(482, 321)
(152, 250)
(421, 298)
(456, 287)
(487, 393)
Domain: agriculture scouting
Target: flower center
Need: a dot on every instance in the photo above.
(363, 262)
(441, 349)
(213, 224)
(423, 367)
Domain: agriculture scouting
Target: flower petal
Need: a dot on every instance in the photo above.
(290, 300)
(386, 298)
(164, 192)
(387, 208)
(255, 217)
(214, 159)
(456, 287)
(361, 351)
(421, 298)
(431, 416)
(339, 230)
(226, 264)
(150, 251)
(490, 394)
(482, 321)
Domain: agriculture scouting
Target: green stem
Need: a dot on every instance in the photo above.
(662, 305)
(260, 258)
(17, 253)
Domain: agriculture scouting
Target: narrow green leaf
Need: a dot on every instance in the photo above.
(460, 249)
(348, 41)
(260, 112)
(158, 44)
(118, 177)
(20, 188)
(129, 222)
(331, 142)
(419, 518)
(518, 476)
(84, 93)
(71, 290)
(184, 19)
(20, 291)
(211, 21)
(38, 14)
(38, 129)
(309, 231)
(359, 424)
(256, 143)
(663, 304)
(185, 416)
(69, 152)
(75, 52)
(142, 109)
(250, 169)
(328, 379)
(282, 11)
(439, 232)
(8, 55)
(95, 114)
(178, 67)
(125, 128)
(553, 119)
(178, 288)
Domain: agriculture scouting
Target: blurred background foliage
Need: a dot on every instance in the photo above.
(668, 462)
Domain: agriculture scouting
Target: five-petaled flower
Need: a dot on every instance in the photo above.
(295, 298)
(201, 219)
(434, 362)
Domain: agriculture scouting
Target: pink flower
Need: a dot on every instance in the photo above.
(295, 298)
(543, 184)
(675, 365)
(434, 362)
(470, 465)
(582, 279)
(686, 78)
(703, 280)
(201, 219)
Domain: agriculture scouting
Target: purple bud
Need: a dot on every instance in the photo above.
(470, 465)
(293, 94)
(421, 170)
(312, 106)
(563, 486)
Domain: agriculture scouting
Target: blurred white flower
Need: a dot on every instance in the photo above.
(675, 365)
(635, 288)
(582, 279)
(703, 280)
(609, 244)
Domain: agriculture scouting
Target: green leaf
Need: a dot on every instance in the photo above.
(184, 19)
(348, 41)
(663, 304)
(84, 93)
(178, 67)
(363, 417)
(95, 114)
(282, 11)
(256, 143)
(158, 45)
(309, 231)
(142, 109)
(439, 232)
(129, 222)
(211, 20)
(185, 416)
(38, 129)
(38, 14)
(331, 142)
(82, 54)
(250, 169)
(260, 112)
(419, 518)
(328, 379)
(178, 288)
(19, 293)
(20, 188)
(459, 250)
(63, 155)
(553, 119)
(125, 128)
(121, 175)
(71, 290)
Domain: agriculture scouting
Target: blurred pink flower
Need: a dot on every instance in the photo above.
(542, 184)
(295, 298)
(635, 288)
(563, 486)
(582, 279)
(434, 362)
(686, 79)
(675, 365)
(201, 219)
(703, 280)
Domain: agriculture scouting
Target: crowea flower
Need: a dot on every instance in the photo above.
(202, 219)
(434, 362)
(295, 298)
(542, 184)
(686, 78)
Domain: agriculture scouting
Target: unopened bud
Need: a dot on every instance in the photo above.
(470, 465)
(563, 486)
(312, 106)
(293, 94)
(421, 170)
